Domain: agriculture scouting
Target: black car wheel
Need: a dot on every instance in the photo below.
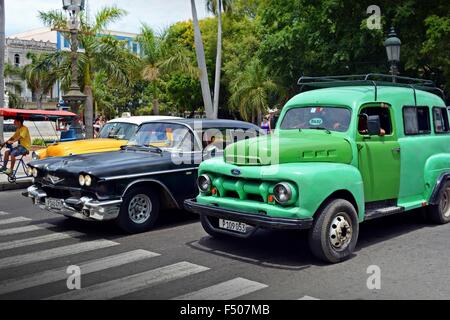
(139, 210)
(335, 231)
(440, 212)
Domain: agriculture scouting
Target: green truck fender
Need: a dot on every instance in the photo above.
(316, 182)
(436, 172)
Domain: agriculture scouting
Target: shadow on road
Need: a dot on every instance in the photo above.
(289, 249)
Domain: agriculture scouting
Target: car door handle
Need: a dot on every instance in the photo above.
(396, 150)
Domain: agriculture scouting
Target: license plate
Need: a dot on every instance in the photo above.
(233, 226)
(54, 203)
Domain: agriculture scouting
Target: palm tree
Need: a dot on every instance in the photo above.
(101, 54)
(40, 75)
(215, 7)
(251, 89)
(13, 86)
(161, 57)
(2, 62)
(201, 61)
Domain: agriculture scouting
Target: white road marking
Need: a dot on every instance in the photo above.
(224, 291)
(133, 283)
(308, 298)
(13, 220)
(87, 267)
(3, 213)
(37, 240)
(39, 256)
(11, 231)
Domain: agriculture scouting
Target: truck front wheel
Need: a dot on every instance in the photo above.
(335, 231)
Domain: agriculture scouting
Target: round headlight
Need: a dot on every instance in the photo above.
(282, 192)
(204, 183)
(87, 180)
(34, 156)
(29, 171)
(35, 172)
(81, 180)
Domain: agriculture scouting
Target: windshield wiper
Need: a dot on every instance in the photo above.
(321, 128)
(158, 149)
(144, 147)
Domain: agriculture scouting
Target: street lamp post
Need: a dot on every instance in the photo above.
(392, 45)
(74, 98)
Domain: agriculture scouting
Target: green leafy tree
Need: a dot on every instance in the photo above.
(161, 57)
(40, 75)
(102, 53)
(251, 90)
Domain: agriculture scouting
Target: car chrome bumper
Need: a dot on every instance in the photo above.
(82, 208)
(258, 221)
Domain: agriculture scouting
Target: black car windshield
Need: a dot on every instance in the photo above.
(320, 118)
(118, 130)
(163, 136)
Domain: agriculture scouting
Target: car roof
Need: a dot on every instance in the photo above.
(217, 123)
(141, 119)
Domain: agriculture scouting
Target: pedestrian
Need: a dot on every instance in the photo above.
(265, 125)
(22, 135)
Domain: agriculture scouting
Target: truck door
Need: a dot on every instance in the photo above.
(379, 155)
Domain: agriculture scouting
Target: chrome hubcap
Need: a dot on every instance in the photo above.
(340, 232)
(445, 203)
(140, 208)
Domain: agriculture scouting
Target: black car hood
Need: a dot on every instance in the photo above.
(106, 164)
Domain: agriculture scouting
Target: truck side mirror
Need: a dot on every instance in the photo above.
(373, 125)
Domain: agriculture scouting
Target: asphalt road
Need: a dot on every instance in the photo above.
(178, 260)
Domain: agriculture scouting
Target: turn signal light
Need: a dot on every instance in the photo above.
(270, 199)
(214, 191)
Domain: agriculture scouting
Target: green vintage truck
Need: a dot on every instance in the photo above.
(345, 150)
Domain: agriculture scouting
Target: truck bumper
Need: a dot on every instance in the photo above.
(256, 221)
(84, 208)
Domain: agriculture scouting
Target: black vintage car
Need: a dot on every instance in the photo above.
(157, 169)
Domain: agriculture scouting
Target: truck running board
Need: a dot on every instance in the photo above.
(382, 212)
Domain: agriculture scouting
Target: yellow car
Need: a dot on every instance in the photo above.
(113, 135)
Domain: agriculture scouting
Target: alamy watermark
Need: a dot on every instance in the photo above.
(74, 279)
(374, 20)
(374, 280)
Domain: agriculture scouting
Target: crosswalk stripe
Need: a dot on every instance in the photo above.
(224, 291)
(308, 298)
(87, 267)
(3, 213)
(13, 220)
(12, 231)
(133, 283)
(37, 240)
(39, 256)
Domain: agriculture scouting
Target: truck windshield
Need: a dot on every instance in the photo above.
(118, 130)
(324, 118)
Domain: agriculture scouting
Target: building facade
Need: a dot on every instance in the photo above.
(45, 40)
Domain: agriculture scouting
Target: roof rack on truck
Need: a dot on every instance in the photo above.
(370, 79)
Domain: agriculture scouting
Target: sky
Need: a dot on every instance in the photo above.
(22, 15)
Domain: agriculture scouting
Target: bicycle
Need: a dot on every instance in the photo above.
(20, 163)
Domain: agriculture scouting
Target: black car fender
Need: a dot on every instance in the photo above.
(166, 194)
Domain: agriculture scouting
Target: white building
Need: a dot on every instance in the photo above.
(46, 40)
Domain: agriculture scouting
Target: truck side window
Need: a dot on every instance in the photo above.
(416, 120)
(385, 119)
(440, 120)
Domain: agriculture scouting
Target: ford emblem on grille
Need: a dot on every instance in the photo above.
(236, 172)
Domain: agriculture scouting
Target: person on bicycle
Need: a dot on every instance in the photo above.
(22, 135)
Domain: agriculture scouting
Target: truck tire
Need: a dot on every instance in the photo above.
(440, 212)
(139, 210)
(335, 231)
